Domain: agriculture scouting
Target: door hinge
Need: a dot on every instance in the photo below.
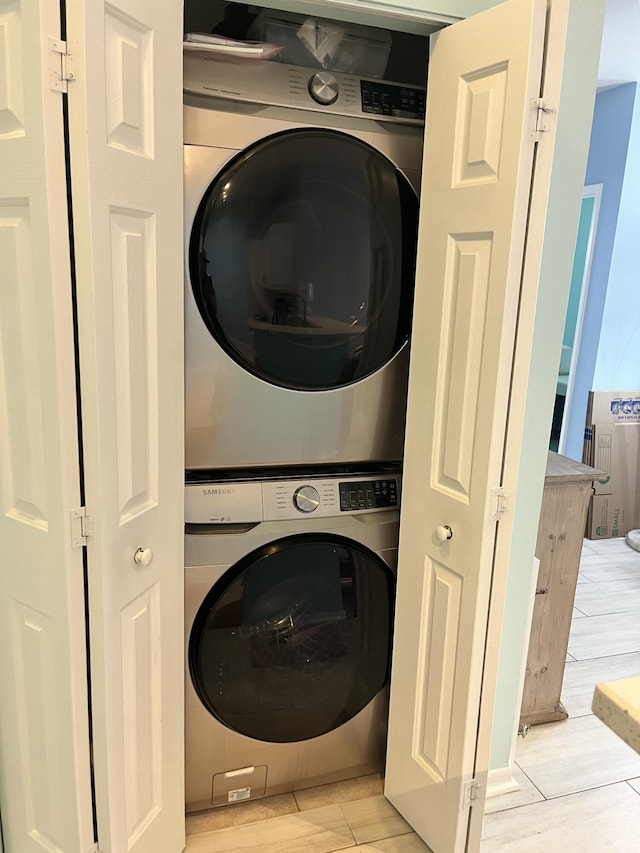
(60, 65)
(499, 504)
(81, 527)
(472, 792)
(540, 113)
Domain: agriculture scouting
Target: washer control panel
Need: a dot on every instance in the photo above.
(286, 499)
(368, 494)
(306, 499)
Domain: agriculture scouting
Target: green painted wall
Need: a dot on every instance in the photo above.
(572, 142)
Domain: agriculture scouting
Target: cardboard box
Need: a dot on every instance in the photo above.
(613, 407)
(587, 446)
(615, 450)
(607, 518)
(612, 445)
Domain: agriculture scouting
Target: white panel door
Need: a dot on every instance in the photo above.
(45, 789)
(125, 114)
(477, 172)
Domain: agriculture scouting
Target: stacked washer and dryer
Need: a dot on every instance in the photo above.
(301, 228)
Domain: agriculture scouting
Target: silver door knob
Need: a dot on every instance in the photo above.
(143, 557)
(444, 532)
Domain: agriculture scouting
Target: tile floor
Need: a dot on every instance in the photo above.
(580, 785)
(346, 815)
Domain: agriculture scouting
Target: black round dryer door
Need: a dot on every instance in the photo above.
(295, 639)
(302, 259)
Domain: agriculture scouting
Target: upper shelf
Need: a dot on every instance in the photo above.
(413, 16)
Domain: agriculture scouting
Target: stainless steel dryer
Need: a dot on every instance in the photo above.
(301, 223)
(289, 596)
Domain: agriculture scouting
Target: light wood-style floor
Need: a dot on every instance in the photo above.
(580, 785)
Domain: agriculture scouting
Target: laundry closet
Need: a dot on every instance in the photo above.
(108, 509)
(301, 190)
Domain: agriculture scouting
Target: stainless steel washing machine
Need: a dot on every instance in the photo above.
(289, 606)
(301, 225)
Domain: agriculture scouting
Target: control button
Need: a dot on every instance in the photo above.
(306, 499)
(323, 88)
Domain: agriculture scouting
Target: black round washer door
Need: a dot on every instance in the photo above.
(295, 639)
(302, 259)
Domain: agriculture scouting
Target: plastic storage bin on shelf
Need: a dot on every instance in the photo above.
(319, 43)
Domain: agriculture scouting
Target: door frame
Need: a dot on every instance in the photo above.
(570, 88)
(593, 191)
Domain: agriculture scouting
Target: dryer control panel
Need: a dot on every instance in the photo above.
(286, 499)
(275, 84)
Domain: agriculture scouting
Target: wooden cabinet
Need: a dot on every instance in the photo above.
(567, 488)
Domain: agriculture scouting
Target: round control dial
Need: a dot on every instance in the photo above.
(323, 88)
(306, 499)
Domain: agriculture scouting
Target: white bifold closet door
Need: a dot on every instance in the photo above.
(45, 790)
(477, 175)
(125, 129)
